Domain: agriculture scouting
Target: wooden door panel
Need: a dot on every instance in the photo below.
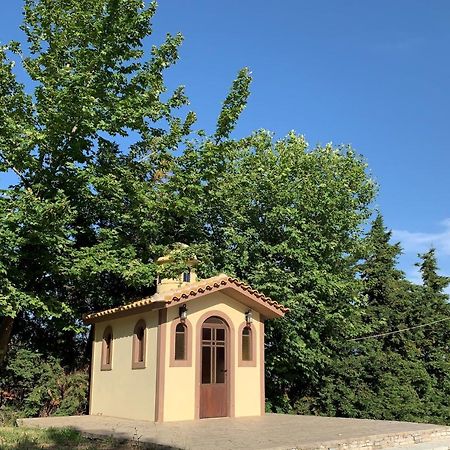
(213, 401)
(214, 368)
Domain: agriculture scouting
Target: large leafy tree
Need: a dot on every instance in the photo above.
(288, 219)
(89, 140)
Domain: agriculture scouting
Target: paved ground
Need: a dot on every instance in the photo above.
(273, 431)
(435, 445)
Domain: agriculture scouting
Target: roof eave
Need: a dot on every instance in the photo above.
(122, 312)
(232, 287)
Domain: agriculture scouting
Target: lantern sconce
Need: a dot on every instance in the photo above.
(183, 312)
(248, 317)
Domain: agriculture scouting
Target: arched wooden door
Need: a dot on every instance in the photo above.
(214, 369)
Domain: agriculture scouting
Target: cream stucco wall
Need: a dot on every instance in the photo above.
(181, 385)
(123, 391)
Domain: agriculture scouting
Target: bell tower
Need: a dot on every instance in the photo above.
(189, 276)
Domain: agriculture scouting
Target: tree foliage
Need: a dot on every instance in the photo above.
(32, 385)
(82, 226)
(400, 370)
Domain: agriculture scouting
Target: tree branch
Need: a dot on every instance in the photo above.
(13, 168)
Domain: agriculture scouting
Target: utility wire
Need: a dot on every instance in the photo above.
(398, 331)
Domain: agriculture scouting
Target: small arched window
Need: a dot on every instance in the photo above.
(139, 345)
(180, 342)
(187, 276)
(247, 344)
(107, 343)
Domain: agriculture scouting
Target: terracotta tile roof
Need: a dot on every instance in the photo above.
(269, 307)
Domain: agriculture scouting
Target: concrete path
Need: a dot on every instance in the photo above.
(436, 445)
(273, 431)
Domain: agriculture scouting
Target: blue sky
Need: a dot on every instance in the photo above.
(372, 74)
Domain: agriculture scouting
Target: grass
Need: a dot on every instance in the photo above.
(13, 438)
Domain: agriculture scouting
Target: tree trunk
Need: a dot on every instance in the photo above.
(6, 324)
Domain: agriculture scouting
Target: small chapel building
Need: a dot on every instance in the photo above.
(193, 350)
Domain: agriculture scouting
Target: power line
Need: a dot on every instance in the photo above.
(398, 331)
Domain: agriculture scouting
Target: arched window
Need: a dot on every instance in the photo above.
(139, 345)
(247, 344)
(187, 276)
(107, 343)
(180, 342)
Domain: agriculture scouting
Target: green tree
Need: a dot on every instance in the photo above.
(81, 227)
(397, 370)
(429, 271)
(435, 339)
(288, 219)
(379, 270)
(33, 384)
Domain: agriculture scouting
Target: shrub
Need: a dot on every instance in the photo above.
(34, 385)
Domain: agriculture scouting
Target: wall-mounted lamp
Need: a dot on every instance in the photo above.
(183, 312)
(248, 317)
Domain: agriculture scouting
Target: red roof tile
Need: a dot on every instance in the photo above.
(235, 288)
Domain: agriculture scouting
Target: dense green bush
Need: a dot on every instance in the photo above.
(34, 385)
